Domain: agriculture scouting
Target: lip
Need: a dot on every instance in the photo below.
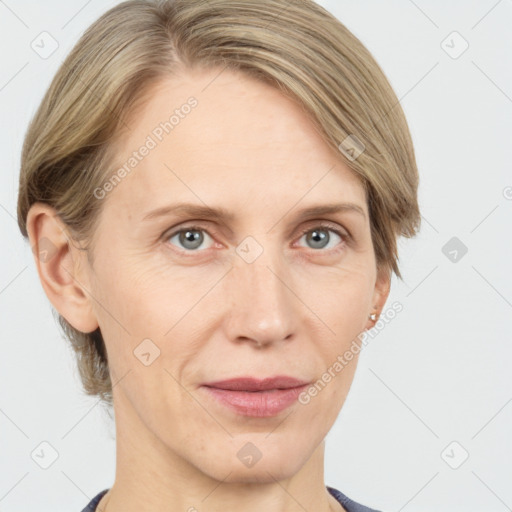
(254, 384)
(260, 398)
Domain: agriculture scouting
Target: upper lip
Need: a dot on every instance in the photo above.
(254, 384)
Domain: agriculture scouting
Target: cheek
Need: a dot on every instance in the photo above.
(140, 301)
(340, 297)
(342, 304)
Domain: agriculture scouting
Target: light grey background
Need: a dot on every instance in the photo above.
(438, 373)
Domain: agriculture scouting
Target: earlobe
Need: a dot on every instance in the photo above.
(59, 264)
(380, 296)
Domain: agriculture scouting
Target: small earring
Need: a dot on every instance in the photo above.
(372, 317)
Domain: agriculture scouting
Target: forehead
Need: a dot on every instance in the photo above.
(214, 134)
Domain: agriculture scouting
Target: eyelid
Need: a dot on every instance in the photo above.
(327, 225)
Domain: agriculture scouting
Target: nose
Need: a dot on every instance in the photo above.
(263, 308)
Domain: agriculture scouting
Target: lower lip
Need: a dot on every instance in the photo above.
(261, 404)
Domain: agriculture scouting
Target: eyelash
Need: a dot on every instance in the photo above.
(345, 237)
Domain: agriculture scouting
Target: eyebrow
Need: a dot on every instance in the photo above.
(222, 214)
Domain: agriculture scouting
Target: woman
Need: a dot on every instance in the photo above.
(214, 192)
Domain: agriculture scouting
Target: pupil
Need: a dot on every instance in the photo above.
(319, 236)
(192, 236)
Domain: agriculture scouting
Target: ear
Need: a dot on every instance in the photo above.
(380, 295)
(60, 265)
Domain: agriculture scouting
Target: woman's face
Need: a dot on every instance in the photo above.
(247, 293)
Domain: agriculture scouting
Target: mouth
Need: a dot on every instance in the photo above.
(260, 398)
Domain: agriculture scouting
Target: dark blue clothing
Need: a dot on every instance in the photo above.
(91, 507)
(348, 504)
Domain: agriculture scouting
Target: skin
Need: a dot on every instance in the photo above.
(213, 315)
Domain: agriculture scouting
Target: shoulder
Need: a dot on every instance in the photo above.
(348, 504)
(91, 507)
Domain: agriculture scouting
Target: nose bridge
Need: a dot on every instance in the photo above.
(263, 308)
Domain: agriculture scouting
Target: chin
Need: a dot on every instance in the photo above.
(270, 466)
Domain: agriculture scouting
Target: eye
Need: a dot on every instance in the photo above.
(319, 237)
(190, 237)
